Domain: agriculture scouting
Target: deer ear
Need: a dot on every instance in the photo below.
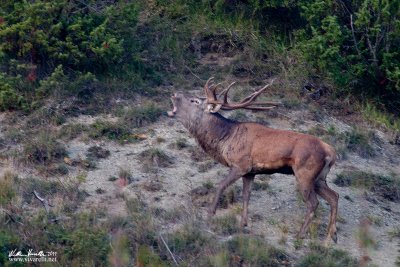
(213, 108)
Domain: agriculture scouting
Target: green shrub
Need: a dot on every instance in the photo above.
(112, 130)
(44, 148)
(355, 44)
(146, 257)
(55, 47)
(8, 242)
(142, 115)
(155, 158)
(385, 186)
(358, 142)
(254, 251)
(7, 188)
(87, 245)
(321, 257)
(181, 143)
(226, 224)
(188, 240)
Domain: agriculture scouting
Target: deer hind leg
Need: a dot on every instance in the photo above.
(332, 198)
(232, 177)
(311, 200)
(247, 182)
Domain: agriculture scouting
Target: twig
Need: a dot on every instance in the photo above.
(193, 73)
(44, 201)
(172, 255)
(353, 34)
(11, 217)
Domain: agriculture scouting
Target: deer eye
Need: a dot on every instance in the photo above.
(196, 101)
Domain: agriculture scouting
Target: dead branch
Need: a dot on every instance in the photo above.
(44, 201)
(172, 255)
(353, 34)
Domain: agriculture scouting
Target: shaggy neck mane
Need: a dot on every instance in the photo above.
(210, 132)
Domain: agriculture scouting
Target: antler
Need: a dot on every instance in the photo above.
(247, 103)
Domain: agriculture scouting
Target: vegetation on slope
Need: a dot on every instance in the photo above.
(64, 47)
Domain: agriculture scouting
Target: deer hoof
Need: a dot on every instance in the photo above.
(300, 235)
(334, 237)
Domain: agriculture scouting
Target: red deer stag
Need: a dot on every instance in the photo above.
(249, 148)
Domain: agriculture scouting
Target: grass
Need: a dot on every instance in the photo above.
(226, 224)
(114, 131)
(197, 154)
(260, 186)
(7, 187)
(71, 131)
(254, 251)
(385, 186)
(239, 115)
(97, 152)
(44, 148)
(230, 196)
(355, 140)
(371, 113)
(188, 240)
(181, 143)
(208, 184)
(205, 166)
(155, 158)
(395, 233)
(319, 256)
(142, 115)
(68, 191)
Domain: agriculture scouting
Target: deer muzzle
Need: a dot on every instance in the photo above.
(172, 112)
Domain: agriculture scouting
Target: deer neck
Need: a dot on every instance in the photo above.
(211, 132)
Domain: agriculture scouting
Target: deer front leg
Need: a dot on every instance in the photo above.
(233, 176)
(247, 182)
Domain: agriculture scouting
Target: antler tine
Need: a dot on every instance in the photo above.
(247, 102)
(258, 92)
(248, 107)
(225, 92)
(208, 93)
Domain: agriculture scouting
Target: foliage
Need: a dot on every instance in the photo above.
(7, 190)
(355, 43)
(255, 252)
(321, 256)
(111, 130)
(142, 115)
(385, 186)
(226, 225)
(44, 148)
(41, 40)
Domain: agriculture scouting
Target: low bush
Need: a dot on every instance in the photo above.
(254, 251)
(155, 158)
(44, 148)
(7, 188)
(387, 187)
(111, 130)
(142, 115)
(226, 224)
(319, 256)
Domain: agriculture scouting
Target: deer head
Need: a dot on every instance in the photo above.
(189, 107)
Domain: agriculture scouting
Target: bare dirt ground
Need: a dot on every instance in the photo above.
(275, 213)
